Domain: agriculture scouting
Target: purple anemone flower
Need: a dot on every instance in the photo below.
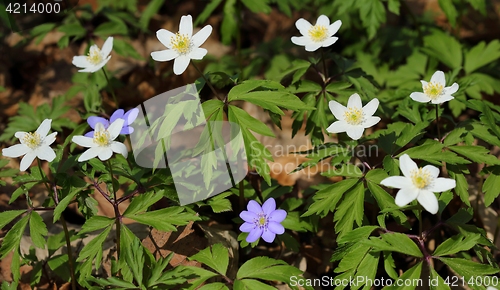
(262, 221)
(129, 118)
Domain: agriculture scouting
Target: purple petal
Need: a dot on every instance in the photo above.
(248, 216)
(268, 236)
(275, 228)
(254, 207)
(247, 227)
(254, 235)
(269, 206)
(277, 216)
(130, 116)
(127, 130)
(118, 114)
(93, 120)
(89, 134)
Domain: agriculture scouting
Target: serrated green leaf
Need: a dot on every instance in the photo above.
(142, 202)
(444, 47)
(326, 200)
(12, 239)
(8, 216)
(491, 189)
(456, 244)
(246, 121)
(267, 269)
(38, 230)
(63, 204)
(469, 269)
(481, 55)
(96, 223)
(215, 257)
(170, 217)
(412, 274)
(350, 210)
(449, 9)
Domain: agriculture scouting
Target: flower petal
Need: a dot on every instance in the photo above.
(396, 182)
(127, 130)
(313, 46)
(180, 64)
(338, 127)
(451, 89)
(50, 138)
(433, 170)
(254, 235)
(277, 216)
(89, 154)
(303, 26)
(93, 120)
(442, 184)
(354, 102)
(268, 236)
(164, 37)
(20, 135)
(107, 47)
(276, 228)
(323, 20)
(372, 121)
(115, 128)
(27, 160)
(329, 41)
(442, 99)
(337, 109)
(201, 36)
(405, 196)
(186, 26)
(254, 207)
(438, 78)
(248, 216)
(15, 150)
(198, 53)
(164, 55)
(355, 132)
(44, 128)
(131, 115)
(81, 61)
(370, 108)
(247, 227)
(420, 97)
(84, 141)
(118, 114)
(407, 165)
(45, 153)
(429, 201)
(300, 40)
(334, 27)
(119, 148)
(105, 153)
(269, 206)
(89, 134)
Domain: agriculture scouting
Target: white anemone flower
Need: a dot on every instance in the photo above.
(435, 90)
(183, 45)
(33, 145)
(318, 35)
(418, 183)
(102, 144)
(354, 118)
(96, 57)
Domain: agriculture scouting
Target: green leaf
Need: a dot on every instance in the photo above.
(348, 170)
(456, 244)
(214, 286)
(38, 230)
(395, 242)
(449, 9)
(491, 189)
(246, 121)
(111, 28)
(326, 199)
(142, 202)
(257, 6)
(215, 257)
(357, 235)
(73, 29)
(63, 204)
(209, 8)
(476, 153)
(247, 284)
(412, 274)
(12, 239)
(469, 269)
(229, 26)
(393, 6)
(96, 223)
(94, 247)
(267, 269)
(147, 13)
(481, 55)
(350, 210)
(124, 48)
(170, 217)
(444, 48)
(441, 284)
(8, 216)
(372, 14)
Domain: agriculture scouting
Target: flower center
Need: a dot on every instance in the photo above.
(101, 138)
(433, 90)
(261, 221)
(318, 33)
(94, 56)
(32, 140)
(354, 116)
(181, 43)
(421, 178)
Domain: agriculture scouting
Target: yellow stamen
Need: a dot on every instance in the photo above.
(421, 178)
(318, 33)
(433, 90)
(32, 140)
(354, 116)
(101, 138)
(262, 221)
(94, 56)
(181, 43)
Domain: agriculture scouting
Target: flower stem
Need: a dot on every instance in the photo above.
(206, 80)
(325, 71)
(420, 223)
(110, 87)
(437, 121)
(116, 210)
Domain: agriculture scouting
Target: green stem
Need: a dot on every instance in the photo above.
(116, 210)
(325, 72)
(206, 80)
(437, 121)
(110, 87)
(420, 222)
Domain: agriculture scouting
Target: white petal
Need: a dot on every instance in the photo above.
(303, 26)
(201, 36)
(370, 108)
(438, 77)
(424, 84)
(180, 64)
(115, 128)
(44, 128)
(442, 99)
(15, 150)
(337, 109)
(323, 20)
(442, 184)
(27, 160)
(107, 47)
(186, 26)
(372, 121)
(50, 139)
(198, 53)
(90, 153)
(45, 153)
(81, 61)
(333, 28)
(329, 41)
(338, 127)
(434, 171)
(451, 89)
(429, 201)
(164, 37)
(120, 148)
(300, 40)
(407, 165)
(420, 97)
(105, 153)
(164, 55)
(354, 102)
(100, 127)
(20, 135)
(405, 196)
(313, 46)
(101, 64)
(83, 141)
(397, 182)
(355, 132)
